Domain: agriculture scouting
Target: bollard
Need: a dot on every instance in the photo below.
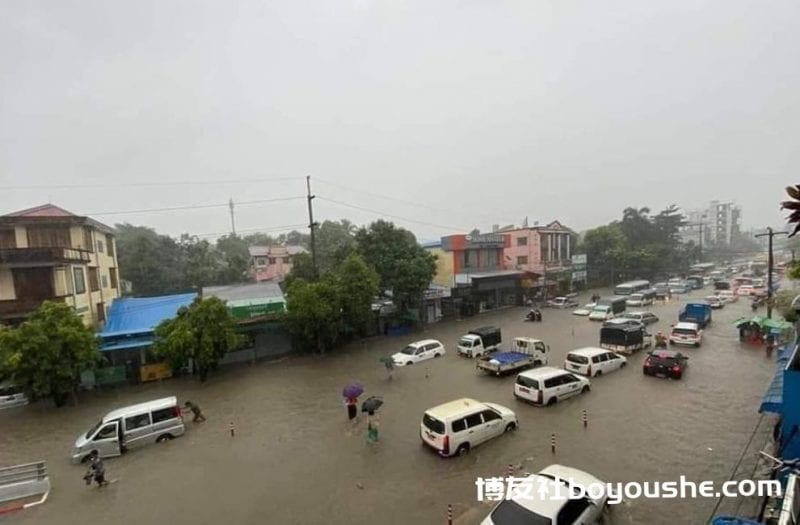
(553, 443)
(449, 515)
(510, 470)
(585, 418)
(232, 429)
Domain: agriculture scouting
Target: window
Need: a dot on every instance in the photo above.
(596, 359)
(108, 431)
(433, 424)
(80, 282)
(490, 415)
(474, 420)
(87, 238)
(112, 274)
(552, 382)
(104, 279)
(100, 246)
(272, 260)
(522, 259)
(8, 238)
(164, 414)
(46, 237)
(572, 510)
(528, 382)
(522, 241)
(94, 282)
(110, 245)
(137, 421)
(460, 425)
(261, 261)
(286, 260)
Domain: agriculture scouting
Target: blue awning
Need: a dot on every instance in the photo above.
(773, 399)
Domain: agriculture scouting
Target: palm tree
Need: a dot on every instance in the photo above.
(794, 206)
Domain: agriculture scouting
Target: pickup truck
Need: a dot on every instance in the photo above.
(563, 302)
(698, 313)
(479, 341)
(525, 352)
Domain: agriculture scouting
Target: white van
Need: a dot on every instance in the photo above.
(686, 334)
(593, 361)
(548, 385)
(131, 427)
(643, 298)
(455, 427)
(11, 395)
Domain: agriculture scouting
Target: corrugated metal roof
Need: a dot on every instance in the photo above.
(250, 293)
(141, 315)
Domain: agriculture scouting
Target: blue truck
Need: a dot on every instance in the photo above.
(698, 313)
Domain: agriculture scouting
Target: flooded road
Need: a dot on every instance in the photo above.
(296, 460)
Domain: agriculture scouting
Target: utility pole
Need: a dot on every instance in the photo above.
(770, 263)
(233, 222)
(311, 224)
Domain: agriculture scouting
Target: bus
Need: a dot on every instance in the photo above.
(631, 287)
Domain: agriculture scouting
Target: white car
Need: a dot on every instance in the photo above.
(562, 302)
(601, 312)
(645, 318)
(745, 289)
(716, 302)
(585, 309)
(548, 385)
(593, 361)
(11, 395)
(419, 351)
(549, 501)
(729, 296)
(686, 334)
(454, 428)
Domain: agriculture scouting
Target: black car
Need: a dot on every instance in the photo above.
(665, 363)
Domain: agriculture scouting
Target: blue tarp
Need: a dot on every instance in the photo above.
(508, 357)
(773, 399)
(141, 315)
(734, 520)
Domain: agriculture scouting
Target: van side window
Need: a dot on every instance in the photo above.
(164, 414)
(459, 425)
(552, 382)
(106, 432)
(490, 415)
(474, 420)
(596, 359)
(137, 421)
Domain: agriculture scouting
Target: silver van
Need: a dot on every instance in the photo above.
(131, 427)
(11, 395)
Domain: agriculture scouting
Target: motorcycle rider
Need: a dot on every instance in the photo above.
(661, 340)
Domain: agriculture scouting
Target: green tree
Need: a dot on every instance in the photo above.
(314, 313)
(334, 242)
(200, 334)
(235, 259)
(302, 268)
(259, 239)
(294, 238)
(203, 262)
(154, 264)
(47, 353)
(358, 285)
(404, 266)
(606, 249)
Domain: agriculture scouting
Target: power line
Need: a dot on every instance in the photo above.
(193, 207)
(285, 227)
(396, 199)
(384, 214)
(147, 184)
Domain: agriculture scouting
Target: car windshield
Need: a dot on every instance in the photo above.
(465, 341)
(433, 424)
(409, 350)
(509, 512)
(93, 429)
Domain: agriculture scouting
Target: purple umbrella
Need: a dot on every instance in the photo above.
(352, 391)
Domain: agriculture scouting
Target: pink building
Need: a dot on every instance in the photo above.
(544, 250)
(272, 263)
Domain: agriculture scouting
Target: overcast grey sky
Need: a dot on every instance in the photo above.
(480, 111)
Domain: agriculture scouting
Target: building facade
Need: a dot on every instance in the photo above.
(543, 250)
(50, 254)
(718, 223)
(272, 263)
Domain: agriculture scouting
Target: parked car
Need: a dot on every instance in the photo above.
(585, 309)
(419, 351)
(665, 363)
(715, 302)
(548, 502)
(548, 385)
(454, 428)
(131, 427)
(745, 289)
(645, 318)
(562, 302)
(11, 395)
(680, 288)
(728, 295)
(593, 361)
(686, 334)
(643, 298)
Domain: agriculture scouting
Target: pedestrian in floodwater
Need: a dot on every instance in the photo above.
(198, 414)
(352, 407)
(97, 471)
(389, 367)
(372, 427)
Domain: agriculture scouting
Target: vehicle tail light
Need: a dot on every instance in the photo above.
(177, 411)
(446, 445)
(676, 368)
(589, 372)
(539, 396)
(647, 363)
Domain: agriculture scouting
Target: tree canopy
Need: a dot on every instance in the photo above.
(200, 334)
(47, 353)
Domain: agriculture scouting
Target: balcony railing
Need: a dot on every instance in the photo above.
(23, 307)
(43, 255)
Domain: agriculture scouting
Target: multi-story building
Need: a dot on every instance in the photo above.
(543, 250)
(48, 253)
(719, 223)
(272, 263)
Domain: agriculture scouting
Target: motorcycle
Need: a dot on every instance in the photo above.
(534, 316)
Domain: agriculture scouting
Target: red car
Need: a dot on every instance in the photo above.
(665, 363)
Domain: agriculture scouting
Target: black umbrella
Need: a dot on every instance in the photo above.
(371, 404)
